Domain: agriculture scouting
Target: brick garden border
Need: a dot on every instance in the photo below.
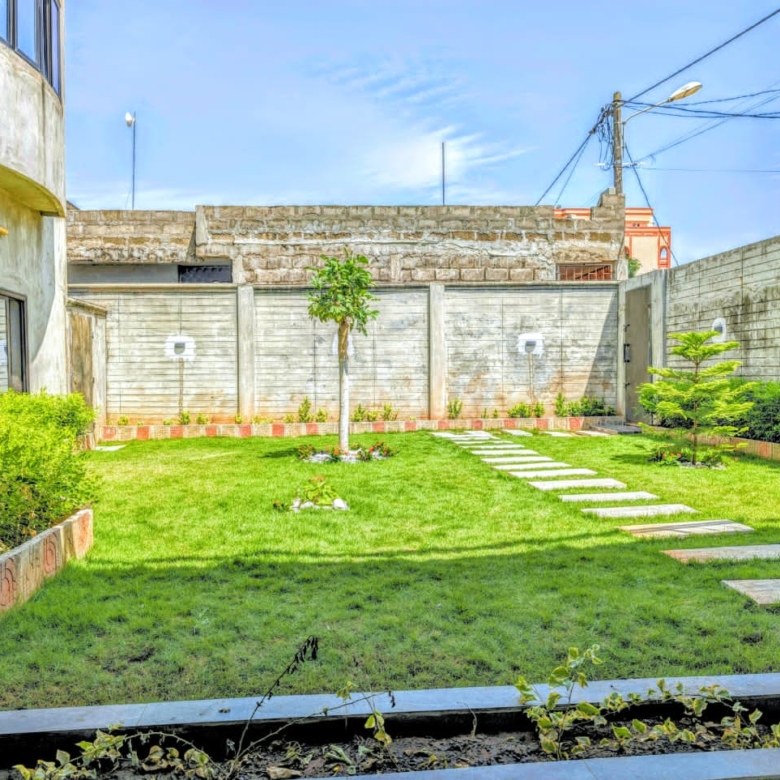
(288, 430)
(24, 569)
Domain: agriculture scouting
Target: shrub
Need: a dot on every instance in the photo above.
(304, 411)
(185, 418)
(763, 420)
(44, 474)
(359, 414)
(123, 419)
(388, 413)
(202, 419)
(561, 407)
(454, 408)
(520, 410)
(590, 407)
(321, 416)
(537, 410)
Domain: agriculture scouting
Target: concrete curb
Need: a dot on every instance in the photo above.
(288, 430)
(24, 569)
(53, 728)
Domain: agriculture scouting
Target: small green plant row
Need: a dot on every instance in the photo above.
(555, 723)
(585, 407)
(377, 451)
(305, 414)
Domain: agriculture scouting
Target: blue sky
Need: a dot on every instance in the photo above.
(348, 101)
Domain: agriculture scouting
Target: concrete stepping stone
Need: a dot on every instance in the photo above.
(682, 530)
(517, 433)
(746, 552)
(565, 484)
(763, 592)
(538, 460)
(498, 450)
(530, 458)
(559, 434)
(551, 464)
(638, 495)
(639, 511)
(552, 473)
(591, 433)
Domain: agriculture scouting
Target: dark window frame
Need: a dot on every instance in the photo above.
(586, 272)
(5, 297)
(45, 51)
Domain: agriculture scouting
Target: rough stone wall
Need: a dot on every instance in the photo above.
(117, 237)
(275, 245)
(742, 287)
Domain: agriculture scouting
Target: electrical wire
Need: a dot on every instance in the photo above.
(705, 113)
(571, 173)
(707, 54)
(726, 100)
(717, 170)
(577, 154)
(647, 201)
(695, 133)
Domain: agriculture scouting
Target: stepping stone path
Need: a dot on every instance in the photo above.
(527, 464)
(639, 511)
(694, 528)
(763, 592)
(747, 552)
(639, 495)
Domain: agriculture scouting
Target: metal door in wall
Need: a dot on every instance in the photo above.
(81, 373)
(637, 350)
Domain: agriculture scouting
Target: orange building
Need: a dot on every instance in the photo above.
(645, 241)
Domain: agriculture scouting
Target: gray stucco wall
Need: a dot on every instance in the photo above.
(33, 259)
(33, 265)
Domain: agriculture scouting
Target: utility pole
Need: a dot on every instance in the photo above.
(617, 141)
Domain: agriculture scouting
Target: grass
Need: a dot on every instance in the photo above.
(443, 573)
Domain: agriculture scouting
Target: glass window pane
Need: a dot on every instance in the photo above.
(27, 28)
(4, 36)
(4, 368)
(55, 45)
(16, 359)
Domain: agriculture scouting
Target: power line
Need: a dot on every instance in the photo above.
(726, 100)
(577, 154)
(647, 201)
(695, 133)
(705, 113)
(571, 173)
(707, 54)
(716, 170)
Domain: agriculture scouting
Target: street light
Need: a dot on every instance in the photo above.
(130, 122)
(684, 91)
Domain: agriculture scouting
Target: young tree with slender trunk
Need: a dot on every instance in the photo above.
(703, 396)
(341, 294)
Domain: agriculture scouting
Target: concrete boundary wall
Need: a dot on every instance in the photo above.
(225, 350)
(741, 288)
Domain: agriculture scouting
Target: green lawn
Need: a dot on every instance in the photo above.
(444, 573)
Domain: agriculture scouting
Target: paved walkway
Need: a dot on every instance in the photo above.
(523, 463)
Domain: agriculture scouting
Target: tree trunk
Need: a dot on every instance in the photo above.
(343, 387)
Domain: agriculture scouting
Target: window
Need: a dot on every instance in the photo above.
(27, 29)
(585, 272)
(32, 27)
(13, 347)
(201, 274)
(4, 20)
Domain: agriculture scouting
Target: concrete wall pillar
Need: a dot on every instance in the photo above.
(658, 320)
(245, 315)
(620, 405)
(437, 354)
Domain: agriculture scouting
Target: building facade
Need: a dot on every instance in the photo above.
(33, 262)
(647, 243)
